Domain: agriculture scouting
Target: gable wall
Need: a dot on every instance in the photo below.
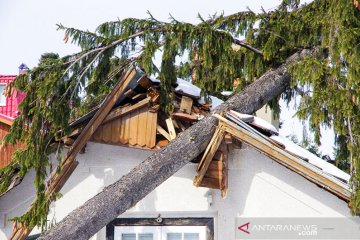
(258, 187)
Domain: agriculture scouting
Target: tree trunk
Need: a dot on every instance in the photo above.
(115, 199)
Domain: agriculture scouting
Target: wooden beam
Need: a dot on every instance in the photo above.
(171, 128)
(225, 171)
(119, 112)
(163, 132)
(209, 154)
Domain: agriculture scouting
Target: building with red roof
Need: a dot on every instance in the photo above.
(8, 112)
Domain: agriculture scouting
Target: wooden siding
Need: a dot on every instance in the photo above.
(135, 128)
(6, 151)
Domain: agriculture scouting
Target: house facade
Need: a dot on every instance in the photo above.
(9, 104)
(258, 187)
(8, 112)
(252, 173)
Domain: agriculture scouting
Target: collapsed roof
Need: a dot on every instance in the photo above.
(136, 97)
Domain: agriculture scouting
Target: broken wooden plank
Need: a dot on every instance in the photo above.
(119, 112)
(209, 147)
(209, 154)
(186, 104)
(185, 117)
(163, 132)
(171, 128)
(225, 171)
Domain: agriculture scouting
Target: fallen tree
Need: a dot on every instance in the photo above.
(328, 87)
(115, 199)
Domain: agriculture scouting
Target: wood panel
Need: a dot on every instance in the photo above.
(136, 127)
(133, 130)
(114, 131)
(151, 129)
(126, 130)
(106, 134)
(142, 125)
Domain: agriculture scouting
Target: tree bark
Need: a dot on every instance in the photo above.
(116, 198)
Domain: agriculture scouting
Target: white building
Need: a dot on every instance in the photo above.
(258, 185)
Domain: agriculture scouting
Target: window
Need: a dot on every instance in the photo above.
(136, 233)
(2, 94)
(167, 229)
(160, 233)
(183, 233)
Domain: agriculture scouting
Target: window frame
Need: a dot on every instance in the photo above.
(1, 93)
(137, 230)
(170, 222)
(187, 229)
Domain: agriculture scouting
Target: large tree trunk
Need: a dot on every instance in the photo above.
(115, 199)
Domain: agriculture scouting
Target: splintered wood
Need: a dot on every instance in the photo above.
(171, 128)
(212, 170)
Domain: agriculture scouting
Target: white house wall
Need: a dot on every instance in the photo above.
(258, 187)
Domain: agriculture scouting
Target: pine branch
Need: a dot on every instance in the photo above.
(247, 46)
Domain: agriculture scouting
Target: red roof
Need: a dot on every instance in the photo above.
(10, 108)
(7, 78)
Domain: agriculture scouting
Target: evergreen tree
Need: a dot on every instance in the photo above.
(329, 87)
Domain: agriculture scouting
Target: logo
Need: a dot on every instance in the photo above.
(245, 228)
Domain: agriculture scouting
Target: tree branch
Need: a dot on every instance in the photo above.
(247, 46)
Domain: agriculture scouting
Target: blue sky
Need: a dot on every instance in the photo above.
(28, 29)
